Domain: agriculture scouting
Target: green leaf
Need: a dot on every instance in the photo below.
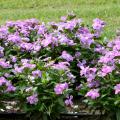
(61, 102)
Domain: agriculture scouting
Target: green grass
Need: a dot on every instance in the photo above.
(51, 10)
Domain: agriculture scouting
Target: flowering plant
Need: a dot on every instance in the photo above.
(40, 62)
(72, 44)
(26, 75)
(102, 91)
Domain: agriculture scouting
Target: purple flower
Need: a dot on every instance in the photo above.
(10, 88)
(41, 29)
(89, 73)
(2, 81)
(3, 32)
(70, 25)
(4, 64)
(93, 84)
(77, 54)
(36, 47)
(63, 39)
(64, 18)
(66, 56)
(24, 32)
(14, 59)
(10, 24)
(110, 44)
(86, 39)
(28, 65)
(93, 94)
(37, 73)
(18, 69)
(1, 49)
(81, 64)
(117, 89)
(26, 46)
(100, 49)
(83, 30)
(61, 66)
(46, 41)
(24, 61)
(14, 38)
(71, 43)
(32, 99)
(106, 59)
(84, 70)
(106, 70)
(60, 87)
(97, 34)
(6, 75)
(68, 101)
(98, 24)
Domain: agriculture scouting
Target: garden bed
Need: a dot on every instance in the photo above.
(65, 116)
(13, 116)
(79, 112)
(45, 66)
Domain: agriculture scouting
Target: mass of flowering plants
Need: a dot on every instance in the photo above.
(103, 89)
(44, 65)
(72, 44)
(25, 73)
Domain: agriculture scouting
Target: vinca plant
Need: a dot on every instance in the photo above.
(102, 86)
(45, 65)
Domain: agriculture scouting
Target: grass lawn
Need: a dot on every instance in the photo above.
(51, 10)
